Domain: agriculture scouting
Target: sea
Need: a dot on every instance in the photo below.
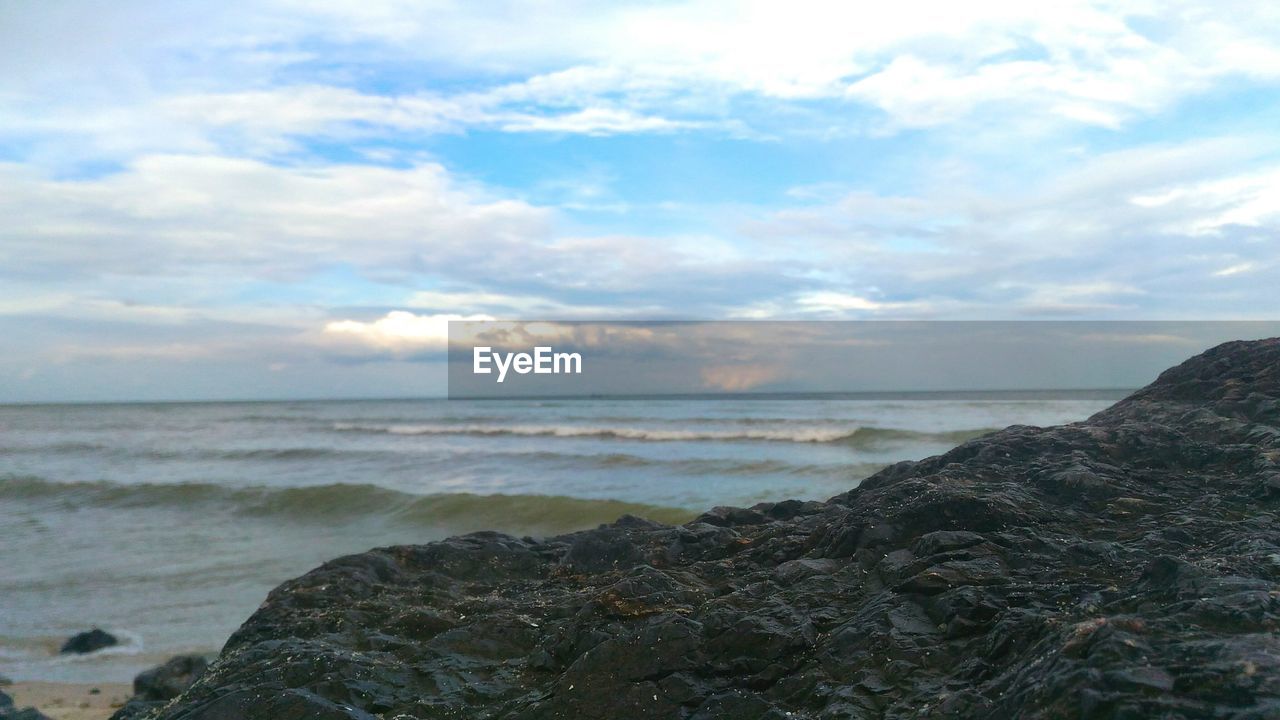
(167, 524)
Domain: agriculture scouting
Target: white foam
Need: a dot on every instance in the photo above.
(797, 435)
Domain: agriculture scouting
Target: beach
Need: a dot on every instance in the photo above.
(70, 701)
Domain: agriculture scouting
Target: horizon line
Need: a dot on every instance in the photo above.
(766, 395)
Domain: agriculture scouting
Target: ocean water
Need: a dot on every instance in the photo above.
(167, 524)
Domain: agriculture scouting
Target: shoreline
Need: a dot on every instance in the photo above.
(70, 701)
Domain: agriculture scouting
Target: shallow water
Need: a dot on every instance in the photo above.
(168, 523)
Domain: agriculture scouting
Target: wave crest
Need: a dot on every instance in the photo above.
(857, 436)
(453, 512)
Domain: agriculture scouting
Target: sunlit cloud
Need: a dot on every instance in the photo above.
(398, 331)
(740, 378)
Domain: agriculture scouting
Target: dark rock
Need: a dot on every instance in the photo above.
(135, 709)
(153, 688)
(167, 681)
(1127, 566)
(732, 516)
(87, 642)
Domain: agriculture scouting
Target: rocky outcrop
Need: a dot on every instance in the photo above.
(1127, 566)
(89, 641)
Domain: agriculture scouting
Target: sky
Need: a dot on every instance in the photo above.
(289, 198)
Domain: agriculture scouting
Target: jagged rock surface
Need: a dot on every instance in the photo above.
(1127, 566)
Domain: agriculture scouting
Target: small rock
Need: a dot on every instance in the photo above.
(790, 573)
(941, 541)
(87, 642)
(167, 681)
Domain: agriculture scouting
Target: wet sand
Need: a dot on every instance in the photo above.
(70, 701)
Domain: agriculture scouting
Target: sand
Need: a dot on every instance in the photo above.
(70, 701)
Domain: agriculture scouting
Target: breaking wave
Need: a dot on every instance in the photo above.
(858, 436)
(456, 512)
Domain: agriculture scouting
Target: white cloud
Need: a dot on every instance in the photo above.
(1249, 199)
(830, 301)
(594, 121)
(316, 110)
(209, 215)
(200, 231)
(309, 109)
(510, 305)
(127, 78)
(1123, 234)
(35, 302)
(922, 62)
(399, 331)
(1237, 269)
(1047, 296)
(181, 238)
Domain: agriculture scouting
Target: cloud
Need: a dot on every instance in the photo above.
(129, 78)
(509, 305)
(200, 228)
(740, 378)
(1124, 54)
(206, 215)
(263, 123)
(1089, 241)
(180, 352)
(594, 121)
(1048, 297)
(1138, 338)
(1249, 199)
(398, 331)
(828, 301)
(198, 236)
(1237, 269)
